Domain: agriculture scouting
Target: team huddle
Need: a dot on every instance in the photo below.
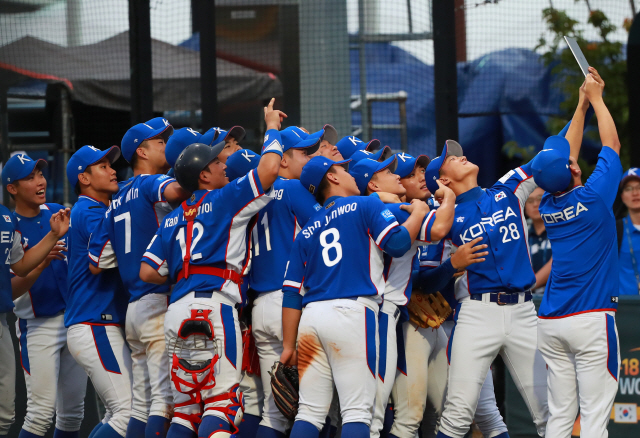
(323, 284)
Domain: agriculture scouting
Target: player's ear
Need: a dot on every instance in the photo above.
(333, 178)
(445, 181)
(372, 186)
(12, 189)
(284, 163)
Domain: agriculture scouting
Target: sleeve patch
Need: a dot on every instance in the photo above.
(387, 215)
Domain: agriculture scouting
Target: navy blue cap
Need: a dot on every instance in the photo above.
(181, 138)
(240, 163)
(315, 169)
(328, 133)
(161, 123)
(216, 135)
(406, 163)
(292, 139)
(382, 155)
(134, 137)
(20, 166)
(632, 173)
(350, 145)
(363, 170)
(432, 174)
(551, 166)
(87, 156)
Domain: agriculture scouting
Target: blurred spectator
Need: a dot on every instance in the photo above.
(628, 230)
(539, 245)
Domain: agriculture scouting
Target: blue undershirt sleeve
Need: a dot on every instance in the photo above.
(399, 243)
(433, 280)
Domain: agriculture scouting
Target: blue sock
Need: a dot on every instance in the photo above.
(304, 429)
(157, 427)
(57, 433)
(106, 431)
(179, 431)
(25, 434)
(135, 429)
(210, 424)
(355, 430)
(502, 435)
(265, 432)
(392, 436)
(95, 429)
(442, 435)
(388, 422)
(327, 428)
(249, 427)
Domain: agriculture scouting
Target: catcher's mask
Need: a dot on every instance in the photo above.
(195, 354)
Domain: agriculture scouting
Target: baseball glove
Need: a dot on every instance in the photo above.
(284, 384)
(428, 310)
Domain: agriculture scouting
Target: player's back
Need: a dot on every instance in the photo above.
(582, 230)
(342, 244)
(275, 231)
(90, 298)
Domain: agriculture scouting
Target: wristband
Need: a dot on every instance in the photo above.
(272, 143)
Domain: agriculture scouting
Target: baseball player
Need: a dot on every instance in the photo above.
(21, 263)
(373, 177)
(577, 334)
(180, 139)
(202, 246)
(351, 144)
(328, 148)
(96, 305)
(231, 138)
(337, 333)
(120, 240)
(273, 235)
(50, 371)
(495, 314)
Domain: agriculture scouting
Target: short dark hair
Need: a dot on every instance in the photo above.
(323, 187)
(78, 186)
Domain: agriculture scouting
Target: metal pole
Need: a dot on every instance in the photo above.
(74, 22)
(140, 60)
(409, 16)
(633, 90)
(65, 107)
(4, 137)
(363, 70)
(208, 63)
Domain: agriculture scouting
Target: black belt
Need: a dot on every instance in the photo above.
(202, 294)
(502, 298)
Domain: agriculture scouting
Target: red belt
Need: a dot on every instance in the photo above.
(226, 274)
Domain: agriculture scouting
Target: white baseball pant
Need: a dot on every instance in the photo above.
(251, 387)
(7, 378)
(482, 331)
(266, 320)
(583, 356)
(103, 353)
(151, 390)
(228, 368)
(337, 342)
(387, 362)
(55, 382)
(424, 379)
(487, 416)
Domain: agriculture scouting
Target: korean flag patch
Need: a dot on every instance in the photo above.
(6, 218)
(387, 215)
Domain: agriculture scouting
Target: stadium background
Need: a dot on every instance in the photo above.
(411, 73)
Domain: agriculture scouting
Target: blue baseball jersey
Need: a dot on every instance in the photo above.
(582, 229)
(329, 256)
(126, 229)
(275, 231)
(220, 237)
(46, 296)
(94, 299)
(496, 214)
(11, 247)
(397, 270)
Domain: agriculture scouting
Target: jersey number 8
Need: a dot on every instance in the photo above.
(326, 246)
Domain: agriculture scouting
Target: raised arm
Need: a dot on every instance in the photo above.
(576, 127)
(272, 148)
(608, 133)
(444, 215)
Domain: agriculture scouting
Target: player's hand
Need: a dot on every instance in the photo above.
(56, 253)
(388, 198)
(289, 357)
(59, 222)
(594, 85)
(468, 254)
(442, 192)
(273, 118)
(417, 206)
(583, 100)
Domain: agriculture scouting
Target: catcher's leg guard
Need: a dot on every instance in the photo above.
(233, 412)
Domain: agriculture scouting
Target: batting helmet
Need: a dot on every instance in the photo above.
(193, 160)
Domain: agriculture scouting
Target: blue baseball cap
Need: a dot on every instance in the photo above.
(551, 166)
(383, 154)
(180, 139)
(632, 173)
(315, 169)
(161, 123)
(328, 133)
(363, 170)
(292, 139)
(87, 156)
(350, 145)
(432, 174)
(134, 137)
(297, 130)
(406, 163)
(216, 135)
(240, 163)
(20, 166)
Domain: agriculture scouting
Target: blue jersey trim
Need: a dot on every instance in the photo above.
(24, 352)
(228, 324)
(383, 321)
(103, 347)
(370, 329)
(450, 343)
(612, 348)
(402, 357)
